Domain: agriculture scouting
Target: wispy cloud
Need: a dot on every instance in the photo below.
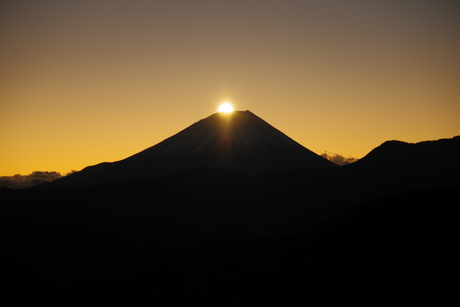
(338, 159)
(23, 181)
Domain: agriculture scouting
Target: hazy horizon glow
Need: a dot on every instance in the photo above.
(83, 82)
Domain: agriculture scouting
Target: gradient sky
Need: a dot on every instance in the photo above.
(82, 82)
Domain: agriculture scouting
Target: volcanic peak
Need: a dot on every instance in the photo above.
(224, 132)
(238, 141)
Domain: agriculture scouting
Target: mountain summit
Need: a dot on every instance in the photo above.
(239, 141)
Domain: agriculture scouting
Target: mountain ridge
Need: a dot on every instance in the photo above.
(393, 152)
(239, 141)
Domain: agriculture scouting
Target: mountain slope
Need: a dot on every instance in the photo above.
(431, 154)
(395, 167)
(238, 141)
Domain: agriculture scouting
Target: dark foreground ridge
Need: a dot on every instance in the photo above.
(399, 247)
(375, 231)
(238, 141)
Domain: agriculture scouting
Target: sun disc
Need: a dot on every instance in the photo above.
(226, 108)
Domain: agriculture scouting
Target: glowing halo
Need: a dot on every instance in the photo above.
(226, 108)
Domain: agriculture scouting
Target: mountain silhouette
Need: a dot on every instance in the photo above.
(350, 234)
(432, 154)
(238, 141)
(425, 164)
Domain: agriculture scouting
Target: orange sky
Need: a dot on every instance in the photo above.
(82, 82)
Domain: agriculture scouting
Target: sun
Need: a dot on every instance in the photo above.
(226, 108)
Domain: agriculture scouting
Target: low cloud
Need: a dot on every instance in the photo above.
(338, 159)
(23, 181)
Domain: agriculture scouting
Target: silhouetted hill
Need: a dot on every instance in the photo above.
(271, 203)
(427, 154)
(397, 166)
(318, 236)
(239, 141)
